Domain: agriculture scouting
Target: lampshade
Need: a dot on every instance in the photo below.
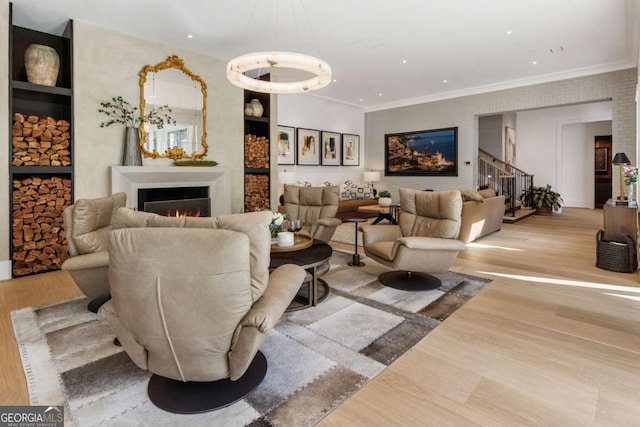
(621, 159)
(371, 176)
(285, 177)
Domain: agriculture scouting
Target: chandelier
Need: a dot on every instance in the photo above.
(239, 66)
(241, 69)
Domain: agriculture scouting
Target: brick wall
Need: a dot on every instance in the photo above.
(617, 86)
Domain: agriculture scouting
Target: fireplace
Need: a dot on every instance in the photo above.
(175, 201)
(216, 180)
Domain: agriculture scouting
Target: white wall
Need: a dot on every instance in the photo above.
(312, 112)
(577, 171)
(542, 151)
(491, 134)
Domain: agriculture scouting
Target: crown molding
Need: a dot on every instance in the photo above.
(510, 84)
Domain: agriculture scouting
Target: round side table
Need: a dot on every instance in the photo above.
(355, 262)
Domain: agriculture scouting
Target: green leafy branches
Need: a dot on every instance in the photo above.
(122, 112)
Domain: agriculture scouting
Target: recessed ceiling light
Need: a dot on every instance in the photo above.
(404, 61)
(509, 32)
(361, 100)
(379, 94)
(190, 36)
(335, 80)
(535, 62)
(444, 81)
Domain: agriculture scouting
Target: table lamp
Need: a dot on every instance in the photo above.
(371, 177)
(621, 160)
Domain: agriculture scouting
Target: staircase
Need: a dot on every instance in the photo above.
(505, 179)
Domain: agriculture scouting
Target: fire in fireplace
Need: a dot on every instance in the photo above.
(175, 201)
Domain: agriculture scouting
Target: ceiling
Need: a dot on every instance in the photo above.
(473, 45)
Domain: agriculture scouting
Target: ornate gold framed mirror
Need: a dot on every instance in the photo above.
(171, 83)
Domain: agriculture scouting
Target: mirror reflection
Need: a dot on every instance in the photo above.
(171, 83)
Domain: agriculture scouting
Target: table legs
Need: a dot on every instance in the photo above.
(355, 262)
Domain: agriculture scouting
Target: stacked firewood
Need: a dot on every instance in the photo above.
(38, 236)
(40, 141)
(256, 193)
(256, 152)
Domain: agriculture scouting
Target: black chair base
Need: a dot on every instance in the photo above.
(198, 397)
(97, 302)
(409, 281)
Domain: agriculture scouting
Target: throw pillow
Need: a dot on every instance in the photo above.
(352, 191)
(469, 195)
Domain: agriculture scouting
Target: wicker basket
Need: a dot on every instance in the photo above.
(616, 256)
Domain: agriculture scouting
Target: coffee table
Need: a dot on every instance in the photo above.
(390, 213)
(315, 260)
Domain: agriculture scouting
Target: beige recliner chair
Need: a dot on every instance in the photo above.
(193, 305)
(424, 241)
(87, 224)
(315, 207)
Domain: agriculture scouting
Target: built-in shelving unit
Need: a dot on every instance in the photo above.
(41, 158)
(257, 131)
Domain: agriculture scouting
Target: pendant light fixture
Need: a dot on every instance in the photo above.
(268, 61)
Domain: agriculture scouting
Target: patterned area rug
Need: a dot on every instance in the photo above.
(317, 357)
(345, 233)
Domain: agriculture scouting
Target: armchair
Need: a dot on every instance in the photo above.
(193, 305)
(424, 241)
(87, 224)
(315, 207)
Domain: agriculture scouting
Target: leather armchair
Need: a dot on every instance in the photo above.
(424, 241)
(192, 302)
(87, 224)
(315, 207)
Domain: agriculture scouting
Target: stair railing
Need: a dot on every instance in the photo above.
(503, 177)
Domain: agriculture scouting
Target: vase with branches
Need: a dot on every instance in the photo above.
(120, 111)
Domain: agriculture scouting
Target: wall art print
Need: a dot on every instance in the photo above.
(286, 145)
(426, 152)
(308, 143)
(350, 150)
(331, 149)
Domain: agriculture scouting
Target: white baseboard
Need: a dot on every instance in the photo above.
(5, 270)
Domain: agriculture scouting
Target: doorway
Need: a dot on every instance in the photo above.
(602, 170)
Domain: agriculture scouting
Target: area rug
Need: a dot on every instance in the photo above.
(317, 357)
(345, 233)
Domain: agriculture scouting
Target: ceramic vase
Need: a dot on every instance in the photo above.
(132, 155)
(258, 109)
(42, 64)
(248, 110)
(384, 201)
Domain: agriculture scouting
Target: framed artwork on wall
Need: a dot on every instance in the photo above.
(350, 150)
(331, 149)
(286, 145)
(308, 146)
(510, 145)
(425, 152)
(601, 157)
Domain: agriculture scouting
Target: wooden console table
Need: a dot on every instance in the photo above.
(620, 220)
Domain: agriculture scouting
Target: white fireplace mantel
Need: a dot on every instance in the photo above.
(130, 179)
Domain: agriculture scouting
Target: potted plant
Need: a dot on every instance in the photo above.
(543, 199)
(384, 198)
(122, 112)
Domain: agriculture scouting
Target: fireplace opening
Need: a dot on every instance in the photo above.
(175, 201)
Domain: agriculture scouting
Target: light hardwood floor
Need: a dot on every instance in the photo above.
(553, 340)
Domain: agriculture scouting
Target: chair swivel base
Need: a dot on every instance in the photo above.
(97, 302)
(409, 280)
(197, 397)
